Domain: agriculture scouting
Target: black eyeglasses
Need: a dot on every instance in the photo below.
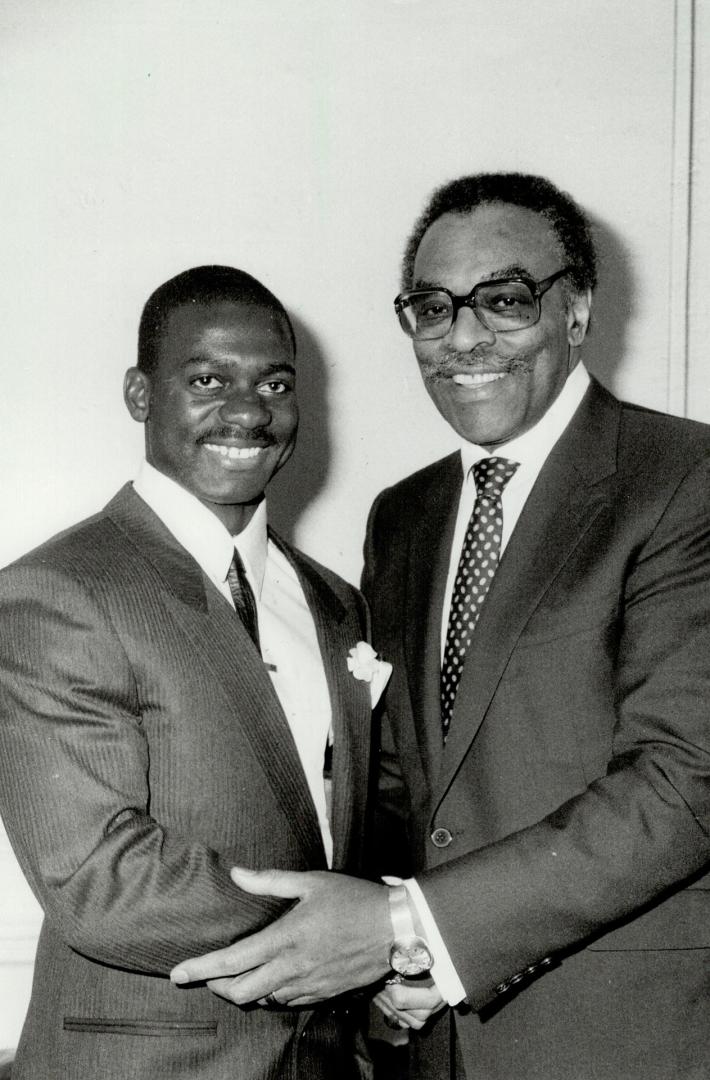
(501, 306)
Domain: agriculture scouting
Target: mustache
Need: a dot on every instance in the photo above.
(449, 361)
(258, 434)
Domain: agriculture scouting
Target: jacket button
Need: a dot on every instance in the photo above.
(441, 838)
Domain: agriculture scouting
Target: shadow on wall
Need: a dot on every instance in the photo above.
(306, 473)
(604, 350)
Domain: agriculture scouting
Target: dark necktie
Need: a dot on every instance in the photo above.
(243, 597)
(478, 563)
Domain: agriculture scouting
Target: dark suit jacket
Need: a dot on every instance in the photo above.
(143, 752)
(574, 788)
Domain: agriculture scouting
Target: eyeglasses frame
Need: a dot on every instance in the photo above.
(537, 290)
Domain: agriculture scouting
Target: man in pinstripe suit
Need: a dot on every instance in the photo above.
(151, 735)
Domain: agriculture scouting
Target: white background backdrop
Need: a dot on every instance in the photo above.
(298, 141)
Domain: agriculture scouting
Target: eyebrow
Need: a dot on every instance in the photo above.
(276, 369)
(514, 270)
(270, 369)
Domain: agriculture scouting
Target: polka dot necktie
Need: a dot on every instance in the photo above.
(478, 563)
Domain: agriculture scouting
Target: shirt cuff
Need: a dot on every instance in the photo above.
(442, 971)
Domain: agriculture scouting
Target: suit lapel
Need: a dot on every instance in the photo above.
(565, 500)
(350, 706)
(428, 567)
(223, 645)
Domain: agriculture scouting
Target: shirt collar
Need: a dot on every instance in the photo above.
(200, 531)
(533, 447)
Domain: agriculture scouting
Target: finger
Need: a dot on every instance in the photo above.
(406, 998)
(226, 988)
(412, 1022)
(299, 1002)
(386, 1007)
(412, 1019)
(270, 1002)
(220, 987)
(286, 883)
(233, 960)
(409, 1020)
(258, 984)
(395, 1001)
(422, 1015)
(390, 1014)
(395, 1017)
(382, 1003)
(288, 992)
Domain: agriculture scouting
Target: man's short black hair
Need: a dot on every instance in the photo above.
(199, 285)
(570, 224)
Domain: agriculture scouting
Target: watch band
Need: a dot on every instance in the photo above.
(410, 955)
(400, 914)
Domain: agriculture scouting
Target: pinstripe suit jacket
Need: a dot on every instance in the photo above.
(143, 752)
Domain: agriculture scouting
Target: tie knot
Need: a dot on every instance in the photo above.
(491, 474)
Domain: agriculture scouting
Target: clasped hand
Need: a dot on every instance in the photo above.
(335, 939)
(409, 1004)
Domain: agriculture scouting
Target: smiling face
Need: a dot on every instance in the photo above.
(491, 387)
(220, 407)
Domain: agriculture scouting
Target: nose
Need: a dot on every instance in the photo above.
(245, 408)
(468, 331)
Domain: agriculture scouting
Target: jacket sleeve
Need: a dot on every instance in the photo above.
(640, 830)
(75, 796)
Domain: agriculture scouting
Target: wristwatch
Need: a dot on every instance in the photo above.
(410, 954)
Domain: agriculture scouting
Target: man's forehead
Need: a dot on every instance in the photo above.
(221, 331)
(492, 240)
(227, 313)
(226, 320)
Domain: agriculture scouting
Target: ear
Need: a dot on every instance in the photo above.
(136, 394)
(579, 312)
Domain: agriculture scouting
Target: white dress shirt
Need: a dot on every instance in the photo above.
(287, 632)
(531, 450)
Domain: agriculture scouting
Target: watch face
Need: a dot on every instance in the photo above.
(410, 957)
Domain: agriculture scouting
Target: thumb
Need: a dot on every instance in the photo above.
(285, 883)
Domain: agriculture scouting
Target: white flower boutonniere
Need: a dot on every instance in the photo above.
(364, 665)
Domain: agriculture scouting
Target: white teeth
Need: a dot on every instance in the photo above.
(234, 453)
(465, 378)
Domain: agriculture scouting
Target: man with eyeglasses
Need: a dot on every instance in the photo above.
(544, 597)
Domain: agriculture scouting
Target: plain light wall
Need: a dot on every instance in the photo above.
(297, 141)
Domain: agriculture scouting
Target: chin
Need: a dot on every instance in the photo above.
(242, 497)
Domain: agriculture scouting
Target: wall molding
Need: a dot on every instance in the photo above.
(681, 181)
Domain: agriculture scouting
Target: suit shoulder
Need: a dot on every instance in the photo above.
(85, 553)
(418, 484)
(668, 442)
(640, 417)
